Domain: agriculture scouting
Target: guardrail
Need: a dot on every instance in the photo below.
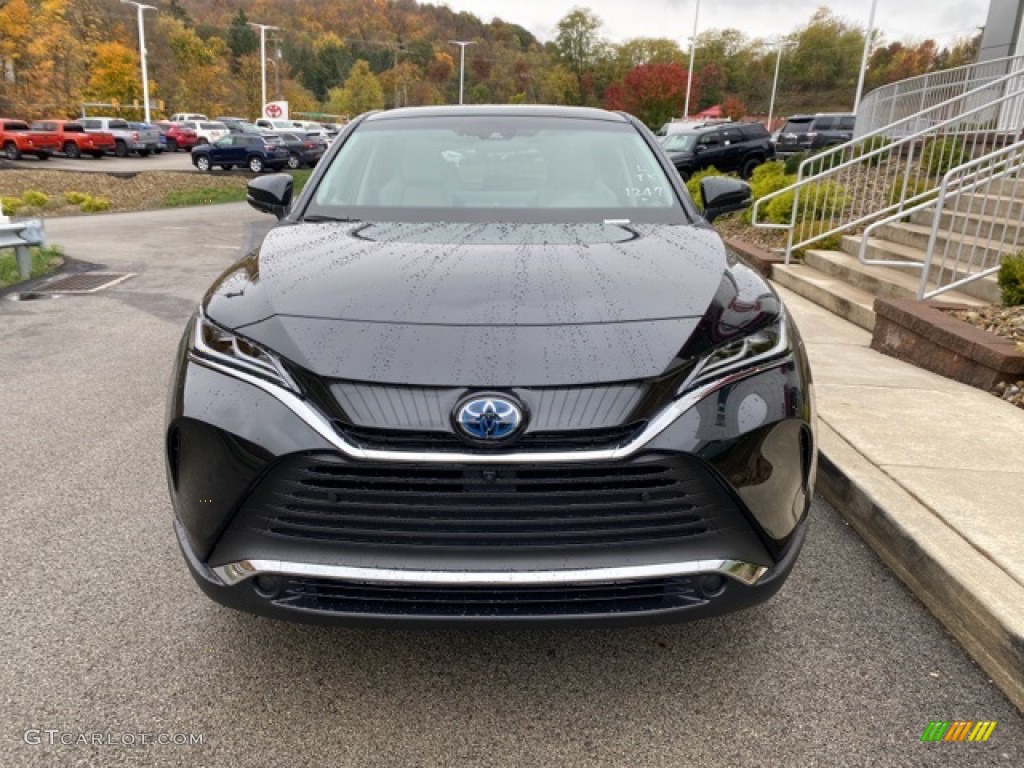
(21, 235)
(891, 103)
(895, 167)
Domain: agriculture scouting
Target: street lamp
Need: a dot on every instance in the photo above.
(462, 62)
(693, 48)
(263, 61)
(780, 44)
(864, 58)
(140, 8)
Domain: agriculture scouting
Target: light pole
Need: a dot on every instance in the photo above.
(693, 48)
(864, 58)
(140, 8)
(263, 61)
(462, 62)
(780, 44)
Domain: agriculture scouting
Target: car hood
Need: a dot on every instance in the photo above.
(477, 304)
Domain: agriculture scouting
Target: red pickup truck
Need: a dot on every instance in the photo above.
(71, 138)
(17, 139)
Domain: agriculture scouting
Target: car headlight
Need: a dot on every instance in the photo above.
(764, 345)
(211, 342)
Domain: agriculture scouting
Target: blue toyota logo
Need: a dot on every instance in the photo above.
(489, 418)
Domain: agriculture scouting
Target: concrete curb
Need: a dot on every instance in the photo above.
(978, 603)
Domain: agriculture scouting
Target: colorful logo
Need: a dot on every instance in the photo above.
(958, 730)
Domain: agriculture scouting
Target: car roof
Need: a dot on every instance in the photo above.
(499, 110)
(821, 114)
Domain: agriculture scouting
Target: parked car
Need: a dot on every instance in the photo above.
(240, 125)
(74, 141)
(126, 139)
(244, 150)
(728, 147)
(552, 397)
(149, 136)
(809, 133)
(277, 125)
(17, 138)
(179, 117)
(303, 149)
(207, 131)
(178, 136)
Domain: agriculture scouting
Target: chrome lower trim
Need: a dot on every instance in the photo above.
(322, 426)
(235, 573)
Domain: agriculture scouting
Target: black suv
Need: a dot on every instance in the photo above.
(809, 133)
(729, 147)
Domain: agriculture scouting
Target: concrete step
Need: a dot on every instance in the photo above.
(840, 298)
(983, 225)
(885, 282)
(1001, 206)
(917, 236)
(985, 289)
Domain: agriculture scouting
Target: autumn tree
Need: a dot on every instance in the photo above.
(115, 74)
(654, 93)
(579, 44)
(361, 92)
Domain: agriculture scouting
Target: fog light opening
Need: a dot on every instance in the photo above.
(712, 585)
(267, 585)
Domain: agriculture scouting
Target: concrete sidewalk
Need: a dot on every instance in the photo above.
(931, 473)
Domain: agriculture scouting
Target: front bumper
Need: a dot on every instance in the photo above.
(705, 517)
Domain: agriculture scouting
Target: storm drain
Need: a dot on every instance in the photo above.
(85, 282)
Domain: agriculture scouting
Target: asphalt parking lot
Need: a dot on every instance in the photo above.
(105, 635)
(165, 161)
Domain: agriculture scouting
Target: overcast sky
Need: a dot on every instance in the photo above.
(915, 20)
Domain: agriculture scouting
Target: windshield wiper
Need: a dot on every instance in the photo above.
(320, 218)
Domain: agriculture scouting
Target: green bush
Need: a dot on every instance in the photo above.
(941, 155)
(875, 142)
(693, 184)
(767, 178)
(817, 201)
(1011, 279)
(914, 187)
(824, 160)
(35, 198)
(10, 205)
(792, 164)
(75, 198)
(94, 204)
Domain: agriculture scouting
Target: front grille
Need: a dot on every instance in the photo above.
(417, 440)
(576, 600)
(324, 499)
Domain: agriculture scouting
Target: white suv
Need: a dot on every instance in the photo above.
(208, 131)
(180, 117)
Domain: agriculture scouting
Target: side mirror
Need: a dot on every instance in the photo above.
(721, 194)
(699, 148)
(271, 194)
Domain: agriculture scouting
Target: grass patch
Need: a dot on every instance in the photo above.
(178, 198)
(44, 261)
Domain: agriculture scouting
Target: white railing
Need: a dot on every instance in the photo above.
(895, 167)
(891, 103)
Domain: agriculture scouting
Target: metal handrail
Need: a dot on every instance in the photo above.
(893, 161)
(894, 101)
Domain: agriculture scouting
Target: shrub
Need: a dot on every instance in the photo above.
(792, 164)
(693, 184)
(94, 204)
(913, 187)
(1011, 279)
(809, 230)
(875, 142)
(817, 201)
(767, 178)
(10, 205)
(35, 198)
(941, 155)
(823, 161)
(75, 198)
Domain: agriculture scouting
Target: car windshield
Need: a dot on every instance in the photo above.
(798, 125)
(679, 142)
(496, 168)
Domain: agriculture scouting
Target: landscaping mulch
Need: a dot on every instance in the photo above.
(142, 191)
